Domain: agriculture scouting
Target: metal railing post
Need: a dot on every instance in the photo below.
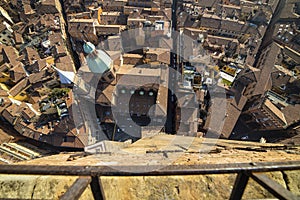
(97, 189)
(239, 186)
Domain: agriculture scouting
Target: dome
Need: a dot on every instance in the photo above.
(88, 47)
(98, 61)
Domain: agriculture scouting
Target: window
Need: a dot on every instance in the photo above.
(68, 139)
(141, 92)
(110, 76)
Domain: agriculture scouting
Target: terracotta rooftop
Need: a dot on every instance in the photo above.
(27, 8)
(5, 67)
(27, 113)
(31, 55)
(56, 38)
(38, 65)
(106, 96)
(49, 2)
(11, 54)
(18, 38)
(2, 27)
(139, 75)
(39, 77)
(275, 110)
(292, 113)
(65, 63)
(3, 93)
(162, 101)
(266, 65)
(19, 87)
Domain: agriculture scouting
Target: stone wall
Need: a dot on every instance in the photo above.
(135, 188)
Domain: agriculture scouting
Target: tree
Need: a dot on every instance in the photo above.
(58, 93)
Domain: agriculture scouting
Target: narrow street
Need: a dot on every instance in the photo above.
(170, 124)
(67, 35)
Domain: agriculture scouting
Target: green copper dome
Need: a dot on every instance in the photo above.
(98, 61)
(88, 47)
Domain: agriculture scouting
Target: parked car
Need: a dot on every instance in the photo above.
(62, 105)
(64, 115)
(64, 110)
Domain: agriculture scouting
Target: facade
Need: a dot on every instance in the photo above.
(264, 115)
